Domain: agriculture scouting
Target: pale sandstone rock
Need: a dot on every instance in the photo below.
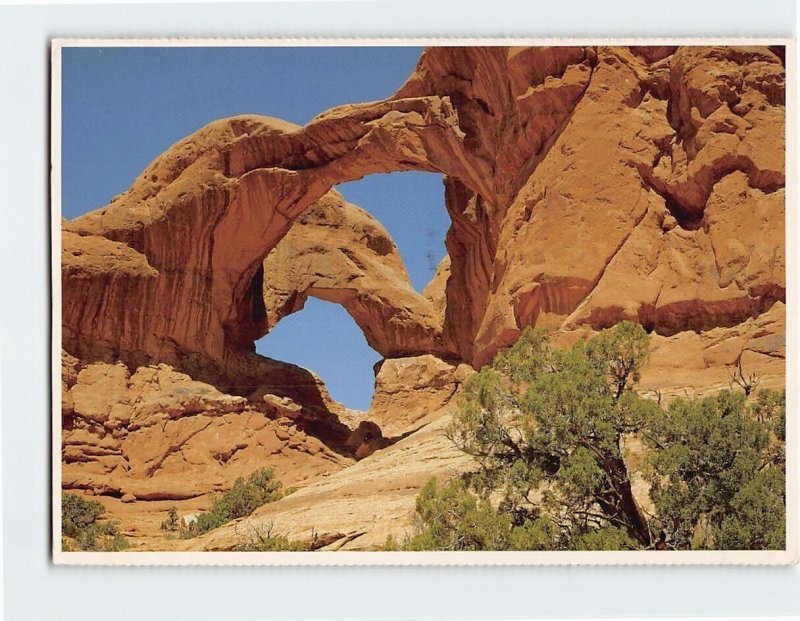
(408, 390)
(435, 291)
(700, 364)
(372, 498)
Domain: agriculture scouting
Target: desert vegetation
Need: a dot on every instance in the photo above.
(553, 432)
(260, 488)
(82, 528)
(266, 539)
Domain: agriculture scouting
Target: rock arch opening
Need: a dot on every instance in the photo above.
(346, 250)
(324, 339)
(411, 206)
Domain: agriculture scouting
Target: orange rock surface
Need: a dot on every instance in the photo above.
(337, 252)
(159, 435)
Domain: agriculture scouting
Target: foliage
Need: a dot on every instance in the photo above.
(78, 514)
(241, 500)
(264, 539)
(450, 518)
(748, 383)
(718, 475)
(547, 429)
(260, 488)
(391, 544)
(82, 530)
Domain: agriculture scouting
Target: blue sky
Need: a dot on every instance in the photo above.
(121, 107)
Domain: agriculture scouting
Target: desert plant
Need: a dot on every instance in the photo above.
(78, 514)
(718, 472)
(241, 500)
(171, 524)
(748, 383)
(83, 530)
(546, 428)
(449, 517)
(264, 539)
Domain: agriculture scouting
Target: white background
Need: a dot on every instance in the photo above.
(35, 589)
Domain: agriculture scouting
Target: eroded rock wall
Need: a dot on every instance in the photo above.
(661, 201)
(153, 433)
(584, 186)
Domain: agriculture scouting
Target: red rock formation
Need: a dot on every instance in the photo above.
(554, 158)
(662, 165)
(156, 434)
(512, 103)
(237, 185)
(409, 390)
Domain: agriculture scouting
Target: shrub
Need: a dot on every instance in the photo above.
(263, 539)
(390, 545)
(449, 517)
(241, 500)
(82, 530)
(171, 524)
(245, 497)
(78, 514)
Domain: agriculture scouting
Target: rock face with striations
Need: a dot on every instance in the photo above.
(156, 434)
(661, 201)
(585, 185)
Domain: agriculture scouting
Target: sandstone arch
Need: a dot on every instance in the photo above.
(339, 253)
(199, 221)
(171, 270)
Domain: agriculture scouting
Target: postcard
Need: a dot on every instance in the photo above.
(338, 302)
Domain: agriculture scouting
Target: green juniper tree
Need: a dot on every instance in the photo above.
(718, 478)
(547, 429)
(82, 528)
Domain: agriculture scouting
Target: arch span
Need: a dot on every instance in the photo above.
(546, 154)
(197, 224)
(339, 253)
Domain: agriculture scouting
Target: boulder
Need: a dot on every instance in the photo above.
(409, 390)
